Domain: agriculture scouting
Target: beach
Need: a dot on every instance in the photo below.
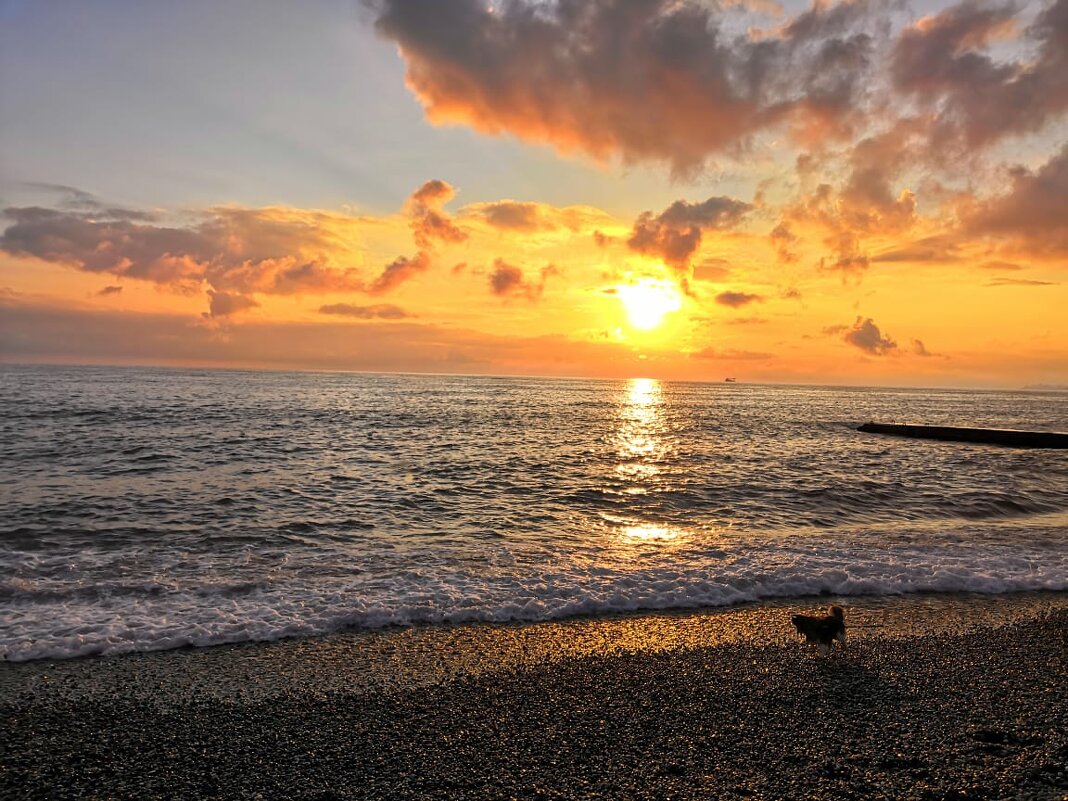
(937, 696)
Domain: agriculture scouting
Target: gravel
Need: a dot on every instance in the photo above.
(586, 709)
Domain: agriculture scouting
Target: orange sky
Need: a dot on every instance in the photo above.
(847, 210)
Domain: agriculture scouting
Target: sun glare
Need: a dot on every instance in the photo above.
(648, 300)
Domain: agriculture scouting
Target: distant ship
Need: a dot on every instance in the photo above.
(730, 380)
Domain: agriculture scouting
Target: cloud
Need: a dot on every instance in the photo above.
(428, 222)
(867, 203)
(42, 334)
(737, 299)
(513, 216)
(711, 270)
(272, 251)
(920, 349)
(433, 194)
(398, 271)
(942, 62)
(675, 234)
(1019, 282)
(931, 250)
(382, 311)
(109, 290)
(658, 80)
(866, 336)
(224, 304)
(528, 217)
(507, 280)
(783, 239)
(1033, 215)
(429, 225)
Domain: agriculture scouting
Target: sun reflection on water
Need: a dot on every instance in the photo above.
(641, 423)
(642, 447)
(649, 533)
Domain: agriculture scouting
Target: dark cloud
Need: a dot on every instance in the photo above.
(640, 79)
(675, 234)
(507, 280)
(109, 290)
(920, 349)
(398, 271)
(866, 336)
(224, 304)
(382, 311)
(230, 249)
(737, 299)
(1033, 215)
(514, 216)
(943, 62)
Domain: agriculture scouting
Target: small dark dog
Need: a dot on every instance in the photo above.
(822, 630)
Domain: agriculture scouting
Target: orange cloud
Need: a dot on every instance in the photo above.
(272, 251)
(659, 80)
(675, 234)
(507, 280)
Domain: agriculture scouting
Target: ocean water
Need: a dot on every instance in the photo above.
(145, 509)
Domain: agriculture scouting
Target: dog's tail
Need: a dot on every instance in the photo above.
(836, 612)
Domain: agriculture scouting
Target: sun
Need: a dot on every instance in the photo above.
(648, 300)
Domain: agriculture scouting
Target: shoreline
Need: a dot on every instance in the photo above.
(937, 697)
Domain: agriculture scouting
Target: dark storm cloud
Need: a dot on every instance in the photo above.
(675, 234)
(109, 290)
(382, 311)
(866, 336)
(641, 79)
(942, 61)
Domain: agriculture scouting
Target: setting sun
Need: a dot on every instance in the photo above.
(648, 300)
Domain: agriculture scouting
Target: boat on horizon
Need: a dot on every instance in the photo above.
(730, 380)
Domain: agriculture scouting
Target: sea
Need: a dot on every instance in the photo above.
(146, 509)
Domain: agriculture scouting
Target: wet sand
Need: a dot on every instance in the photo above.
(937, 697)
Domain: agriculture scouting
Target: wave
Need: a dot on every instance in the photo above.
(56, 624)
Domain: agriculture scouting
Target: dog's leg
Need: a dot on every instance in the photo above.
(840, 636)
(824, 649)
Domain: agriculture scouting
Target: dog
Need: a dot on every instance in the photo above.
(822, 630)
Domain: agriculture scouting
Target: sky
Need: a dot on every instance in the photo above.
(845, 192)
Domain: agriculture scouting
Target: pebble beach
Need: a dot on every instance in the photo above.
(937, 697)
